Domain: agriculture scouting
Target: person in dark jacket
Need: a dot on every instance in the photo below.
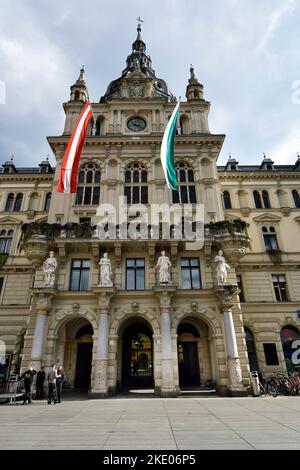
(40, 378)
(59, 382)
(28, 379)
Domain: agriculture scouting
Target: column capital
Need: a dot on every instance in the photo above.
(226, 295)
(104, 294)
(164, 295)
(43, 297)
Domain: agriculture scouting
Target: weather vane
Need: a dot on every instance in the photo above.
(139, 19)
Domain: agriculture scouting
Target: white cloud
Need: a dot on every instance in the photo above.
(275, 19)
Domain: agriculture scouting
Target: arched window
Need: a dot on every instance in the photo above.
(100, 125)
(270, 238)
(9, 207)
(257, 200)
(136, 186)
(6, 238)
(18, 202)
(88, 189)
(184, 124)
(289, 334)
(296, 198)
(47, 202)
(14, 202)
(250, 343)
(266, 200)
(226, 200)
(186, 185)
(77, 95)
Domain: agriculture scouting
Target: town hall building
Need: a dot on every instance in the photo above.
(137, 332)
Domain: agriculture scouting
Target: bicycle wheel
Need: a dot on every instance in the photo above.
(272, 390)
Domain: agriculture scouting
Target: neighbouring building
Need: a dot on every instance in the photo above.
(139, 333)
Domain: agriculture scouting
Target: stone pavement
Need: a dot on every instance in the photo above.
(155, 423)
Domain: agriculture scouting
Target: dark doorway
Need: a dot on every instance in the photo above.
(83, 366)
(188, 363)
(137, 356)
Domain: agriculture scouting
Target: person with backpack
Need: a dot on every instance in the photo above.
(28, 379)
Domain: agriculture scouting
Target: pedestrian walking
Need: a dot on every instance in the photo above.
(28, 379)
(52, 377)
(59, 382)
(40, 378)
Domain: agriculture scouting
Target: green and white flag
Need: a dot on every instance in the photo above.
(167, 150)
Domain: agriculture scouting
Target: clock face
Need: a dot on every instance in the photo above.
(136, 124)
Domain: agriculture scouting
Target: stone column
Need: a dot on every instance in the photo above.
(100, 388)
(168, 388)
(43, 305)
(235, 385)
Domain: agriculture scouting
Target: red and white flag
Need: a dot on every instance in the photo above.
(67, 182)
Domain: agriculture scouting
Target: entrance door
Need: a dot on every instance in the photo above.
(137, 357)
(83, 365)
(188, 363)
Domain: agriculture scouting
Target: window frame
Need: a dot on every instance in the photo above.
(240, 284)
(280, 290)
(8, 240)
(186, 193)
(135, 269)
(136, 189)
(190, 268)
(86, 190)
(81, 269)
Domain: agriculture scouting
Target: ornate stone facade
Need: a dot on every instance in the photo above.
(140, 332)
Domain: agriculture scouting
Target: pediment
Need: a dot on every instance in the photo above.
(136, 74)
(268, 217)
(8, 220)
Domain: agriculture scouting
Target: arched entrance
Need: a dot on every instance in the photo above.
(288, 336)
(137, 356)
(74, 350)
(194, 357)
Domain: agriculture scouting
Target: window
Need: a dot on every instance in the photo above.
(279, 284)
(186, 193)
(47, 202)
(136, 184)
(88, 189)
(240, 286)
(296, 198)
(135, 274)
(226, 200)
(266, 200)
(270, 239)
(14, 202)
(80, 271)
(261, 200)
(250, 343)
(190, 273)
(271, 354)
(1, 284)
(6, 238)
(257, 200)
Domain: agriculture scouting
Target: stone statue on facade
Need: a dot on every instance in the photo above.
(221, 268)
(105, 272)
(49, 268)
(164, 265)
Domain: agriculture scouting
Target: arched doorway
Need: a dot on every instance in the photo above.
(194, 354)
(74, 350)
(188, 358)
(250, 343)
(288, 335)
(137, 356)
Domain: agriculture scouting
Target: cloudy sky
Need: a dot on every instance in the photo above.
(245, 52)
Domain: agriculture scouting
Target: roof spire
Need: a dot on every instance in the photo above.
(139, 37)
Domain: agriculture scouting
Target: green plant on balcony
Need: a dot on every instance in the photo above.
(3, 258)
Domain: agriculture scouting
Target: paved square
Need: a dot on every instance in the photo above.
(127, 423)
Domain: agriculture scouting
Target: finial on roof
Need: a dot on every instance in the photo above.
(229, 155)
(192, 71)
(12, 158)
(81, 76)
(47, 157)
(139, 37)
